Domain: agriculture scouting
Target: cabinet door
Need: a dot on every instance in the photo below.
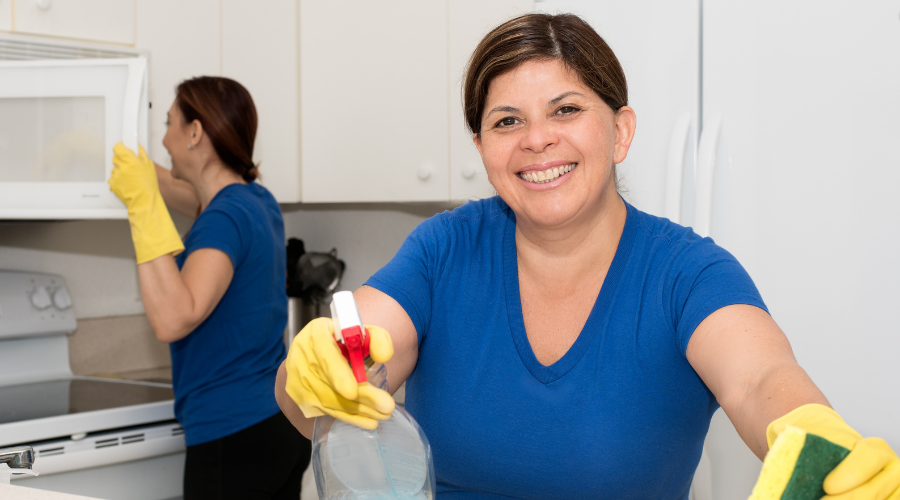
(373, 100)
(99, 20)
(259, 50)
(183, 41)
(806, 186)
(469, 21)
(6, 13)
(657, 44)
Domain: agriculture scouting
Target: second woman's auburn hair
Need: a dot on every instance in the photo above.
(564, 37)
(228, 116)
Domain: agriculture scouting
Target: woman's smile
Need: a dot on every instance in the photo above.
(546, 176)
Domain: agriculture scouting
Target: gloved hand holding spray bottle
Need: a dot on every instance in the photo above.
(350, 458)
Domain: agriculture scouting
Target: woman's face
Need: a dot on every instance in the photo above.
(177, 139)
(549, 144)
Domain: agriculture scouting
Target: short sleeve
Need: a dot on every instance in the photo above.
(703, 279)
(408, 277)
(215, 229)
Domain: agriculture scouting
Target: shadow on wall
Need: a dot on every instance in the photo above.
(102, 238)
(96, 257)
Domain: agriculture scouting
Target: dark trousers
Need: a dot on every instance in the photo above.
(265, 461)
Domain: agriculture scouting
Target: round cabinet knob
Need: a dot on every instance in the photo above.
(44, 4)
(424, 172)
(469, 170)
(40, 298)
(61, 299)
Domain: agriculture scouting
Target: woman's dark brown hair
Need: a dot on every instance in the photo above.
(563, 37)
(228, 116)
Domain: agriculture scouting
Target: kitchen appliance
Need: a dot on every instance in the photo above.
(62, 109)
(91, 436)
(312, 277)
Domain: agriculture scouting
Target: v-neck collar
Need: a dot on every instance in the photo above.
(596, 320)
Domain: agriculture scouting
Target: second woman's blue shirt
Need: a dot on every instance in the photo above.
(223, 372)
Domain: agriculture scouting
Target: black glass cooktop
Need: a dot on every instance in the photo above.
(65, 397)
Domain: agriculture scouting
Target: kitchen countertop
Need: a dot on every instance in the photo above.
(13, 492)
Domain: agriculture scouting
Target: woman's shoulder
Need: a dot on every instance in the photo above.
(479, 217)
(661, 230)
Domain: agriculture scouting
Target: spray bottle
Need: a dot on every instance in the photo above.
(391, 462)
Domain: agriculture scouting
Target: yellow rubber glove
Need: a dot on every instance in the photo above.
(870, 471)
(134, 181)
(320, 380)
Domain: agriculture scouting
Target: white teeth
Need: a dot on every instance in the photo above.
(547, 175)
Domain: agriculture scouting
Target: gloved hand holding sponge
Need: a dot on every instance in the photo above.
(813, 454)
(320, 380)
(134, 181)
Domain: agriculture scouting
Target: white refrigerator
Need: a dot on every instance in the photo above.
(795, 170)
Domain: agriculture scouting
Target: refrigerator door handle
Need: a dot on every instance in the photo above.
(706, 167)
(675, 166)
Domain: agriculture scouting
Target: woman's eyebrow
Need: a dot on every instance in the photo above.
(556, 100)
(503, 109)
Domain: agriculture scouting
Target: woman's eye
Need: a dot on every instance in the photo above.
(507, 122)
(166, 123)
(567, 110)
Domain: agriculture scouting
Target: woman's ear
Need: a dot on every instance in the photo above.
(476, 138)
(196, 133)
(626, 122)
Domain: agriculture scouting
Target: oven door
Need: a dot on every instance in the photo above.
(59, 120)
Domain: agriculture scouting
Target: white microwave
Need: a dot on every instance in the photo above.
(59, 121)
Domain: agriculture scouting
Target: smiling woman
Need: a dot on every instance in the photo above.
(557, 342)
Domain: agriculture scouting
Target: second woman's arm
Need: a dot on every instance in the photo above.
(177, 302)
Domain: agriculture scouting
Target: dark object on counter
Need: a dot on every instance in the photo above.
(312, 276)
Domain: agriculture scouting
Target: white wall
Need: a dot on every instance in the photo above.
(96, 257)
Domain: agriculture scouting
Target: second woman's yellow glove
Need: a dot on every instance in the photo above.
(320, 380)
(870, 471)
(133, 180)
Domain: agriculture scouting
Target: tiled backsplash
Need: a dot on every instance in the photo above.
(120, 345)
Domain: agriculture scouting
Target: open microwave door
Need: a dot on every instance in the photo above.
(59, 120)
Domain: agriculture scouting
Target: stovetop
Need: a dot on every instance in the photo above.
(66, 397)
(40, 398)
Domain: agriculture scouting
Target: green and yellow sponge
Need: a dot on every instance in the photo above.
(796, 466)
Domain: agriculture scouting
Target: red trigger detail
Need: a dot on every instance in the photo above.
(356, 349)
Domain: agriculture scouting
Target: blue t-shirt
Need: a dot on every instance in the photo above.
(621, 415)
(223, 372)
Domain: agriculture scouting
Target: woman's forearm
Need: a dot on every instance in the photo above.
(779, 390)
(178, 195)
(289, 408)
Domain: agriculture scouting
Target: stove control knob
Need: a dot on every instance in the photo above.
(40, 298)
(61, 299)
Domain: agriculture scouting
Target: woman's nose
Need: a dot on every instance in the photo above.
(539, 136)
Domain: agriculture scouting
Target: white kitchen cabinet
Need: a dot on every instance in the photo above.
(469, 21)
(111, 21)
(259, 50)
(6, 13)
(183, 41)
(373, 101)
